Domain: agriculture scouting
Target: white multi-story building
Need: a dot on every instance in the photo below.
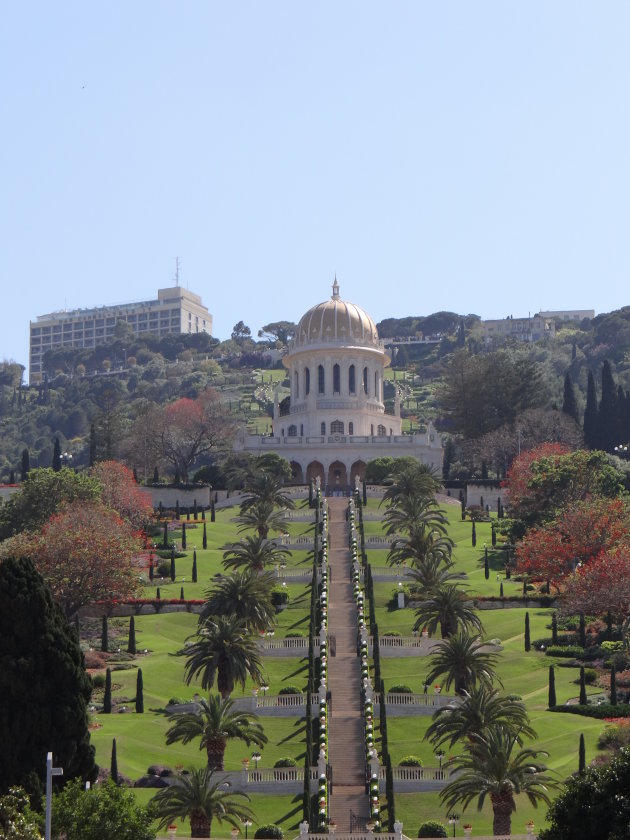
(176, 310)
(335, 419)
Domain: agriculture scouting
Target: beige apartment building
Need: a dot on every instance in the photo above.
(176, 310)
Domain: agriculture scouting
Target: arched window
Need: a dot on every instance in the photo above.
(307, 382)
(323, 429)
(351, 380)
(377, 386)
(336, 427)
(350, 428)
(381, 431)
(366, 390)
(336, 379)
(321, 383)
(296, 384)
(292, 431)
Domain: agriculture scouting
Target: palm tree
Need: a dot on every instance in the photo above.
(262, 486)
(413, 513)
(215, 723)
(195, 796)
(429, 574)
(479, 708)
(224, 651)
(245, 595)
(448, 606)
(489, 768)
(262, 517)
(254, 553)
(464, 661)
(422, 543)
(419, 480)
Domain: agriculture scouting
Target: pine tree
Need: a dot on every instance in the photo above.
(474, 534)
(172, 564)
(501, 589)
(104, 635)
(591, 435)
(494, 536)
(113, 767)
(582, 755)
(157, 594)
(107, 696)
(462, 505)
(194, 567)
(364, 493)
(92, 445)
(554, 629)
(569, 403)
(212, 513)
(583, 698)
(613, 686)
(486, 566)
(139, 693)
(552, 687)
(56, 461)
(131, 644)
(26, 464)
(181, 594)
(528, 642)
(204, 540)
(608, 417)
(184, 535)
(165, 538)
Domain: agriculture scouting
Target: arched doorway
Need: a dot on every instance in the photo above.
(314, 471)
(337, 477)
(297, 476)
(357, 470)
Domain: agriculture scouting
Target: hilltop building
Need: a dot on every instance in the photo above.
(176, 310)
(335, 419)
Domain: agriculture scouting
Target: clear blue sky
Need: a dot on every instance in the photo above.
(469, 156)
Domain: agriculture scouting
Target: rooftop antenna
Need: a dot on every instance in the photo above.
(177, 271)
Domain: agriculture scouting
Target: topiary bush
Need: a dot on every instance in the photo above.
(286, 762)
(399, 689)
(410, 761)
(432, 828)
(290, 689)
(271, 831)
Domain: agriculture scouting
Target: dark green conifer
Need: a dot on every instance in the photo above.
(139, 693)
(212, 513)
(528, 643)
(552, 687)
(181, 594)
(131, 644)
(591, 436)
(107, 696)
(194, 567)
(165, 538)
(474, 534)
(56, 461)
(569, 403)
(582, 631)
(184, 535)
(583, 698)
(156, 475)
(172, 564)
(26, 465)
(113, 767)
(554, 629)
(204, 541)
(486, 566)
(582, 755)
(104, 635)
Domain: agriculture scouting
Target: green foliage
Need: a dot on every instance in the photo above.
(106, 812)
(42, 681)
(16, 820)
(285, 762)
(432, 828)
(269, 832)
(41, 495)
(410, 761)
(593, 805)
(601, 712)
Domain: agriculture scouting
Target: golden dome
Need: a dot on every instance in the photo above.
(337, 321)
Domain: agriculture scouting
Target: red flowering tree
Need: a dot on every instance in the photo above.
(601, 586)
(121, 493)
(189, 428)
(579, 534)
(84, 553)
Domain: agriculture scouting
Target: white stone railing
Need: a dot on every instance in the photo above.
(296, 643)
(416, 774)
(293, 574)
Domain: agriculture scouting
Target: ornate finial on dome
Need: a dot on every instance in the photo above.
(335, 288)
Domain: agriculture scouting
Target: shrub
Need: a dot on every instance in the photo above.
(164, 570)
(432, 828)
(570, 651)
(393, 633)
(604, 710)
(294, 635)
(286, 762)
(410, 761)
(590, 676)
(290, 689)
(612, 647)
(615, 736)
(271, 831)
(279, 596)
(399, 689)
(98, 681)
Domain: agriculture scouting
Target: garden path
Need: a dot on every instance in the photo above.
(346, 733)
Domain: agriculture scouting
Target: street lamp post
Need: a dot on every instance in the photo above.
(50, 772)
(453, 819)
(247, 824)
(256, 756)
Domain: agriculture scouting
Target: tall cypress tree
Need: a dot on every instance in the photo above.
(181, 593)
(474, 534)
(165, 537)
(486, 567)
(583, 697)
(139, 693)
(554, 629)
(591, 435)
(26, 464)
(104, 635)
(552, 687)
(113, 766)
(569, 403)
(151, 571)
(528, 642)
(194, 567)
(107, 696)
(582, 755)
(56, 460)
(204, 541)
(172, 564)
(610, 434)
(131, 644)
(195, 510)
(212, 512)
(582, 631)
(184, 535)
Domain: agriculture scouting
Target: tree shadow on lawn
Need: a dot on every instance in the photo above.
(298, 672)
(304, 620)
(301, 728)
(293, 813)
